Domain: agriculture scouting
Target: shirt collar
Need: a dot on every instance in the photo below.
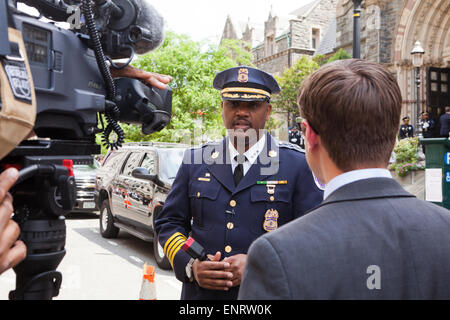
(352, 176)
(252, 153)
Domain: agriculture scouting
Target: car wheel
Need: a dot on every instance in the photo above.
(107, 228)
(160, 257)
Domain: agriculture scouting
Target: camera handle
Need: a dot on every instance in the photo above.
(36, 276)
(43, 233)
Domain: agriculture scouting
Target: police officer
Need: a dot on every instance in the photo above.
(226, 194)
(295, 134)
(427, 125)
(406, 130)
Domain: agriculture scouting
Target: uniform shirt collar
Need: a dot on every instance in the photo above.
(352, 176)
(251, 154)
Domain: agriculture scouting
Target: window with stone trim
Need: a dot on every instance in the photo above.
(270, 46)
(315, 38)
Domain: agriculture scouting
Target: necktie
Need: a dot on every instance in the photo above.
(239, 170)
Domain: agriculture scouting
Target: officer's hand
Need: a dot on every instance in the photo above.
(237, 265)
(150, 78)
(211, 274)
(12, 251)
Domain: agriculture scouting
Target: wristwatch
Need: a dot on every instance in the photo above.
(189, 272)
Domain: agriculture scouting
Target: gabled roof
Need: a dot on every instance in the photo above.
(328, 43)
(240, 27)
(305, 10)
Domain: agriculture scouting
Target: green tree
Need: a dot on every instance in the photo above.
(195, 103)
(290, 81)
(341, 54)
(320, 59)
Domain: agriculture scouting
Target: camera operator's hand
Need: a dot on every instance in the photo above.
(154, 79)
(12, 251)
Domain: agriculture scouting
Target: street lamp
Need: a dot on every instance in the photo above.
(356, 29)
(417, 61)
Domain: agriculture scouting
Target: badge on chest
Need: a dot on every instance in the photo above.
(271, 220)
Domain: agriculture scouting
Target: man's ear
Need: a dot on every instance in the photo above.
(312, 138)
(269, 111)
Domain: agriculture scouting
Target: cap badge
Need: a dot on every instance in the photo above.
(215, 155)
(272, 153)
(243, 75)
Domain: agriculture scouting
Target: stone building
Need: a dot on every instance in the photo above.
(247, 31)
(389, 29)
(283, 39)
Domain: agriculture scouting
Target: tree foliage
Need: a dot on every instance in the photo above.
(195, 103)
(290, 81)
(292, 78)
(341, 54)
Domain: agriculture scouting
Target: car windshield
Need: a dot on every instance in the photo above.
(169, 162)
(86, 167)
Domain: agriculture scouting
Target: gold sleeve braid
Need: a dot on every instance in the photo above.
(173, 245)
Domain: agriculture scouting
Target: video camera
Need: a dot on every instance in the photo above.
(73, 87)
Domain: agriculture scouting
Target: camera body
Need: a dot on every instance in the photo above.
(70, 88)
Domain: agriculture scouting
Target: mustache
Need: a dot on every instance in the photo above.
(242, 121)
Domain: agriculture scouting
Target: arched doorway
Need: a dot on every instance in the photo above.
(429, 22)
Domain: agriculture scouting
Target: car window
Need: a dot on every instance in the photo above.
(112, 160)
(132, 163)
(149, 162)
(169, 163)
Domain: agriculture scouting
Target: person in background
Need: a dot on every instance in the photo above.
(406, 130)
(444, 122)
(427, 125)
(295, 134)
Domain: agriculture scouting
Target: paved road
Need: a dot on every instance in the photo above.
(107, 269)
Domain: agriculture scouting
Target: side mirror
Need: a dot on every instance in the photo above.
(142, 173)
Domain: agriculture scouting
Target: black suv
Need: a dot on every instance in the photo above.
(131, 187)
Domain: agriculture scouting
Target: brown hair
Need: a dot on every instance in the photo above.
(354, 105)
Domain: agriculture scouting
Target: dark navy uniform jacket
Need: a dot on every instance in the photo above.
(444, 122)
(205, 204)
(406, 131)
(294, 136)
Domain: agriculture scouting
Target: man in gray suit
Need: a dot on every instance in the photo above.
(369, 239)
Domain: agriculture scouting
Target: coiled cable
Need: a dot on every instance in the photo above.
(111, 110)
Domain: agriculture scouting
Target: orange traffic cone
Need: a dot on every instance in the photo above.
(148, 289)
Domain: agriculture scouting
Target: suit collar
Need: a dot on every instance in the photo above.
(368, 189)
(352, 176)
(267, 162)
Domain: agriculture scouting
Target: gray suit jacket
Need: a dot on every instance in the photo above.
(369, 239)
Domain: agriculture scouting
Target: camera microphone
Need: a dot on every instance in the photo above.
(151, 24)
(138, 23)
